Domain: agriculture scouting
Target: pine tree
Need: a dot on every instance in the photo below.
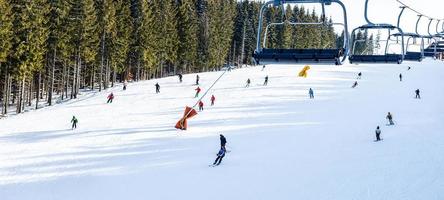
(31, 33)
(187, 34)
(121, 42)
(6, 36)
(56, 44)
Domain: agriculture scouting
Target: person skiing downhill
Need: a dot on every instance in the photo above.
(378, 133)
(213, 98)
(180, 77)
(417, 96)
(125, 83)
(266, 81)
(390, 118)
(220, 156)
(201, 106)
(110, 98)
(248, 83)
(400, 77)
(197, 79)
(355, 84)
(359, 75)
(409, 68)
(197, 92)
(223, 141)
(311, 93)
(74, 122)
(263, 67)
(157, 88)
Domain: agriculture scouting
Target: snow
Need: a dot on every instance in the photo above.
(283, 144)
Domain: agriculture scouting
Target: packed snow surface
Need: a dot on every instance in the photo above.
(282, 144)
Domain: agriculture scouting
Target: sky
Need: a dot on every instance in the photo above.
(386, 11)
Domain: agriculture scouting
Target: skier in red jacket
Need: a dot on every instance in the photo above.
(110, 98)
(212, 100)
(197, 92)
(201, 105)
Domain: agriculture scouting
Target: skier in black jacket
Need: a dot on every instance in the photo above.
(157, 88)
(223, 141)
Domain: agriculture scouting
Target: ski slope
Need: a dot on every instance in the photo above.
(283, 144)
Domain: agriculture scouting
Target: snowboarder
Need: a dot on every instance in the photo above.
(417, 94)
(197, 79)
(223, 142)
(378, 133)
(263, 67)
(180, 77)
(110, 98)
(213, 98)
(359, 75)
(355, 84)
(125, 83)
(74, 122)
(248, 83)
(201, 105)
(400, 77)
(157, 88)
(220, 156)
(197, 92)
(390, 118)
(266, 81)
(311, 93)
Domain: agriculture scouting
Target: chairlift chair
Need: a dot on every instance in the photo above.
(264, 55)
(354, 57)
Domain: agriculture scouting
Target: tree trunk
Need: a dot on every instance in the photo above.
(93, 78)
(5, 93)
(51, 79)
(38, 91)
(74, 79)
(102, 62)
(21, 95)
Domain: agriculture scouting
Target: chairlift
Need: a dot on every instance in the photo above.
(264, 55)
(387, 57)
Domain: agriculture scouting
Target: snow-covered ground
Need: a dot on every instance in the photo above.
(283, 145)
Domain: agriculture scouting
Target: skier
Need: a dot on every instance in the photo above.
(197, 92)
(266, 81)
(201, 105)
(355, 84)
(110, 98)
(223, 142)
(400, 77)
(157, 88)
(359, 75)
(311, 93)
(220, 156)
(417, 94)
(378, 133)
(409, 68)
(197, 79)
(180, 77)
(248, 83)
(125, 83)
(212, 100)
(263, 67)
(390, 118)
(74, 122)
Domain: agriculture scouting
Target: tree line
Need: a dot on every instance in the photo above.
(50, 50)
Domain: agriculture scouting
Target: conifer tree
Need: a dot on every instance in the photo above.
(6, 36)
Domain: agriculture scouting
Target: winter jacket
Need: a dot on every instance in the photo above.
(221, 152)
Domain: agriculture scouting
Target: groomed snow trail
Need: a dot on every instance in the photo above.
(283, 144)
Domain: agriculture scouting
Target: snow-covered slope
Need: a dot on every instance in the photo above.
(283, 145)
